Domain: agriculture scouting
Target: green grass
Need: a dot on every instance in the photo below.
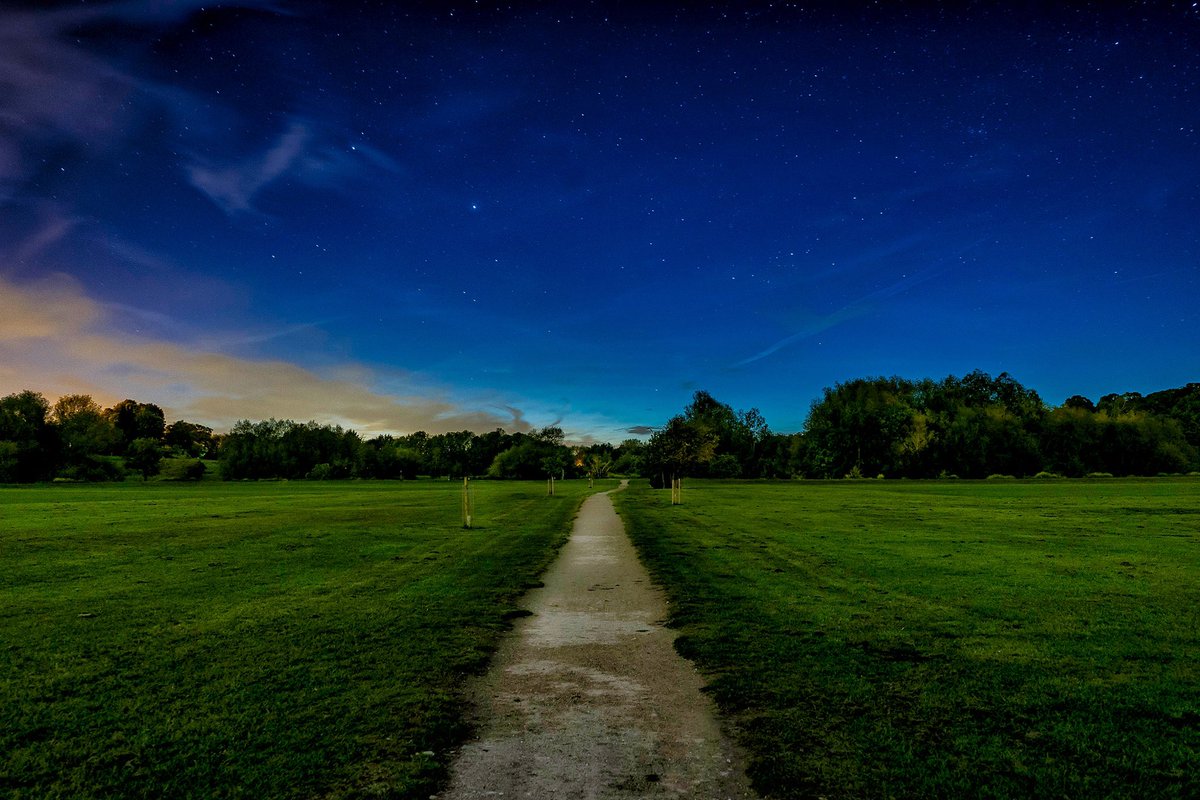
(253, 640)
(948, 639)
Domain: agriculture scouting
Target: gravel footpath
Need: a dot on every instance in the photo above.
(587, 697)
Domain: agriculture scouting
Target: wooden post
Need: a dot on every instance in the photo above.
(467, 506)
(550, 486)
(676, 491)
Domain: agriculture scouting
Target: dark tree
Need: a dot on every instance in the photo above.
(28, 442)
(86, 436)
(681, 449)
(145, 456)
(1079, 401)
(189, 438)
(134, 420)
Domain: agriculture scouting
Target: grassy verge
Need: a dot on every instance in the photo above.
(943, 639)
(252, 640)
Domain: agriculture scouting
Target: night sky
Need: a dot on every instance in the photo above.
(416, 216)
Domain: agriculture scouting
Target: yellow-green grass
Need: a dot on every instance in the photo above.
(943, 639)
(253, 639)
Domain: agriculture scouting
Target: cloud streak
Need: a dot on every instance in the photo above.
(233, 188)
(55, 339)
(864, 304)
(301, 152)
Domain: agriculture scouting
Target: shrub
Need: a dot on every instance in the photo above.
(1099, 475)
(998, 477)
(321, 472)
(725, 465)
(95, 469)
(1044, 475)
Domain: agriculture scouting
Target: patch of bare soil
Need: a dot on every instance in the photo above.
(587, 698)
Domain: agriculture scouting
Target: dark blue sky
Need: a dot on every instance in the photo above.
(402, 216)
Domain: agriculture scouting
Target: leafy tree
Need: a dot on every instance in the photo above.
(598, 465)
(10, 461)
(1136, 443)
(86, 435)
(484, 449)
(774, 456)
(28, 443)
(189, 438)
(450, 454)
(683, 448)
(735, 434)
(144, 455)
(627, 458)
(859, 424)
(554, 465)
(1116, 404)
(285, 449)
(1079, 402)
(385, 457)
(133, 420)
(1181, 405)
(1071, 440)
(530, 459)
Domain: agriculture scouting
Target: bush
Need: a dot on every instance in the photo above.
(1044, 475)
(1099, 475)
(725, 465)
(321, 472)
(998, 477)
(95, 469)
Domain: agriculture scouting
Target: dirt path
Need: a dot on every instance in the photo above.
(587, 697)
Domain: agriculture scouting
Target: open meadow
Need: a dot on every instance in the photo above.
(942, 639)
(253, 639)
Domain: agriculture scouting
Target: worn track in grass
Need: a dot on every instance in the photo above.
(588, 698)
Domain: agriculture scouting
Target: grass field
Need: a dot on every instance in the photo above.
(943, 639)
(252, 640)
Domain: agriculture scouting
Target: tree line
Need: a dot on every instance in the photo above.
(975, 426)
(76, 439)
(286, 449)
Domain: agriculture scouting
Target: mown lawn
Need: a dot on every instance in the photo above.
(943, 639)
(253, 640)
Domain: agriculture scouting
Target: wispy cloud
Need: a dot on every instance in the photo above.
(233, 187)
(817, 324)
(50, 91)
(53, 91)
(56, 339)
(303, 152)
